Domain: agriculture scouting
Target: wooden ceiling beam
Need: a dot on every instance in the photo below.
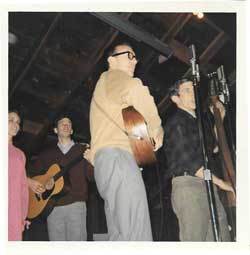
(42, 97)
(52, 100)
(179, 50)
(103, 45)
(53, 72)
(133, 31)
(34, 55)
(213, 48)
(89, 67)
(107, 40)
(214, 26)
(176, 27)
(72, 66)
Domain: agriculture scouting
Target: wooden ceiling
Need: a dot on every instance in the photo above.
(55, 60)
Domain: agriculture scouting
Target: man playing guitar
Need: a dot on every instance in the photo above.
(117, 175)
(67, 220)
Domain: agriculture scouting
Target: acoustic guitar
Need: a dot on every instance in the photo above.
(53, 182)
(141, 143)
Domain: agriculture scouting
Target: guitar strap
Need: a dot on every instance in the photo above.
(116, 124)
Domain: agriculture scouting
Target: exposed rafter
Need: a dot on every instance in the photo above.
(133, 31)
(213, 48)
(87, 71)
(60, 74)
(103, 45)
(178, 24)
(35, 54)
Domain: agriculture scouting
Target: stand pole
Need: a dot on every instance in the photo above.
(206, 171)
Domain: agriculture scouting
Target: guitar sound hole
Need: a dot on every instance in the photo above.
(47, 193)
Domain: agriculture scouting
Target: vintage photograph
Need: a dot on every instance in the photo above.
(123, 125)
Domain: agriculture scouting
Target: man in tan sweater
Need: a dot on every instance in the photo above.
(117, 175)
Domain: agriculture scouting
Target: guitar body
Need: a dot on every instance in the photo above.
(136, 126)
(37, 204)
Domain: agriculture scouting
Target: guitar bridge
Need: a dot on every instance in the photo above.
(38, 197)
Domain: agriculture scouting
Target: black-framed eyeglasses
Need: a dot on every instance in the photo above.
(131, 56)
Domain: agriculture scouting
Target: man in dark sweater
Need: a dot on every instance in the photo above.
(67, 220)
(185, 164)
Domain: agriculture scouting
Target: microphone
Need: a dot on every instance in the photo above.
(192, 58)
(197, 72)
(223, 82)
(221, 74)
(213, 84)
(191, 52)
(210, 75)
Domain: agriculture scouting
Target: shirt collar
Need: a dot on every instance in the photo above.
(65, 147)
(193, 114)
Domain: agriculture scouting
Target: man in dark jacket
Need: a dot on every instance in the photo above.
(185, 164)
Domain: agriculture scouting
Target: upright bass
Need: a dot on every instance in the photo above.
(226, 159)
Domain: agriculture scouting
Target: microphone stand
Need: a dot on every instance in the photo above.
(225, 91)
(206, 171)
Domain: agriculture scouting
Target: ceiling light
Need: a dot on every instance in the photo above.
(200, 15)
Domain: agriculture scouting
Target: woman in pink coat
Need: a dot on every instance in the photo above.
(17, 184)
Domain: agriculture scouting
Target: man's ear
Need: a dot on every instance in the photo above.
(111, 60)
(175, 99)
(71, 131)
(55, 130)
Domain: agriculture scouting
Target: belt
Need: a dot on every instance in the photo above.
(185, 173)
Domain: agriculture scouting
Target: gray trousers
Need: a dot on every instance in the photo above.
(190, 204)
(68, 222)
(120, 184)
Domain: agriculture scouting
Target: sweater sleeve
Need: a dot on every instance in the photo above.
(89, 171)
(140, 97)
(24, 188)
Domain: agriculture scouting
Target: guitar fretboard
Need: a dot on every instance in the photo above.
(68, 166)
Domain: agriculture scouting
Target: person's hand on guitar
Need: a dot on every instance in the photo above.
(86, 153)
(220, 107)
(36, 186)
(227, 187)
(26, 224)
(158, 140)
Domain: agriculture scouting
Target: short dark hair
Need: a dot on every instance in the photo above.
(174, 90)
(60, 117)
(112, 49)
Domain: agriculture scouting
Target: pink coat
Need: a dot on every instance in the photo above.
(17, 193)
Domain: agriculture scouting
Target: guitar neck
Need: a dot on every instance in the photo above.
(68, 166)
